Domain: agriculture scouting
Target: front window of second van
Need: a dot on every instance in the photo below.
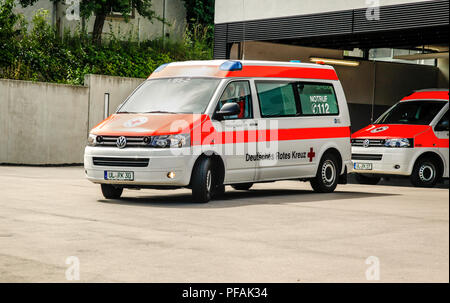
(171, 95)
(412, 112)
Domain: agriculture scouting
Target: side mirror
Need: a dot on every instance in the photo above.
(228, 109)
(442, 127)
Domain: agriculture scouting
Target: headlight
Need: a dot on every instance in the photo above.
(398, 143)
(92, 140)
(171, 141)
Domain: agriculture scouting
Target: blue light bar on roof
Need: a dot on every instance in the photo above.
(296, 61)
(160, 68)
(231, 66)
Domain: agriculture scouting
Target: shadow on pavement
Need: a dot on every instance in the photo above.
(400, 181)
(243, 198)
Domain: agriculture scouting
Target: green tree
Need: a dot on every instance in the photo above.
(200, 14)
(101, 8)
(12, 26)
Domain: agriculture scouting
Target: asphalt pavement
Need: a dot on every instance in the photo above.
(276, 232)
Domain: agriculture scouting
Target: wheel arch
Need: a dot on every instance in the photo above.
(218, 163)
(436, 157)
(335, 152)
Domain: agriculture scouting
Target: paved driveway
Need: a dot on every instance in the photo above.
(277, 232)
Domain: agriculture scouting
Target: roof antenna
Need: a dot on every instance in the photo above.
(243, 35)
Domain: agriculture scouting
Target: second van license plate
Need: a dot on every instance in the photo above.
(363, 166)
(119, 175)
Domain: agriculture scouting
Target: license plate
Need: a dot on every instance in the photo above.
(119, 175)
(363, 166)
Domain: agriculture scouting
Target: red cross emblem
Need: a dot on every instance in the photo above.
(311, 154)
(134, 122)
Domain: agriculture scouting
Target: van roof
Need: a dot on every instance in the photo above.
(428, 94)
(245, 69)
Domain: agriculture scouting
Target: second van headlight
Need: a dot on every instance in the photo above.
(398, 143)
(171, 141)
(92, 140)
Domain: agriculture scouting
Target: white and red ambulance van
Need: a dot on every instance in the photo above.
(410, 139)
(207, 124)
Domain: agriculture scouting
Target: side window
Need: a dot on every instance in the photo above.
(277, 99)
(238, 92)
(443, 124)
(317, 99)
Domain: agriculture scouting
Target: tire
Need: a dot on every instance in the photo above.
(243, 186)
(219, 191)
(425, 173)
(327, 176)
(111, 192)
(203, 182)
(362, 179)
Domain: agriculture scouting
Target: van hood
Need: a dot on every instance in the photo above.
(390, 131)
(148, 124)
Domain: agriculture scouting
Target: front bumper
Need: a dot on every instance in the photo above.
(161, 162)
(395, 161)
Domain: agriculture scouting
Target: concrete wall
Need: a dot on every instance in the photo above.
(119, 89)
(443, 65)
(175, 15)
(281, 52)
(395, 80)
(239, 10)
(31, 10)
(44, 123)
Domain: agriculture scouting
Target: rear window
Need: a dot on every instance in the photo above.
(290, 99)
(412, 112)
(318, 99)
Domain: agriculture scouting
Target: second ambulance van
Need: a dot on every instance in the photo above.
(410, 139)
(207, 124)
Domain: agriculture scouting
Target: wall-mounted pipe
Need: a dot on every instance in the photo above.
(106, 106)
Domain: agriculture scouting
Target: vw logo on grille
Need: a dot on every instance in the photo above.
(366, 143)
(121, 142)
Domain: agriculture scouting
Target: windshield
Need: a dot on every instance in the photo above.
(412, 112)
(173, 95)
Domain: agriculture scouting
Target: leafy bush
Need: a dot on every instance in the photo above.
(41, 55)
(12, 28)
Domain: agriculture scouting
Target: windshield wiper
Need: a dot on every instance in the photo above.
(159, 112)
(125, 112)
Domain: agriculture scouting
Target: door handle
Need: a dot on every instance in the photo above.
(253, 124)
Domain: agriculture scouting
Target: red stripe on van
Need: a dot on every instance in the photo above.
(428, 95)
(253, 136)
(284, 72)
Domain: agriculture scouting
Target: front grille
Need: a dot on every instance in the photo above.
(122, 162)
(131, 141)
(372, 142)
(367, 157)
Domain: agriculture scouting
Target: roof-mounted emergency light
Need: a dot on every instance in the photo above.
(231, 66)
(160, 68)
(296, 61)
